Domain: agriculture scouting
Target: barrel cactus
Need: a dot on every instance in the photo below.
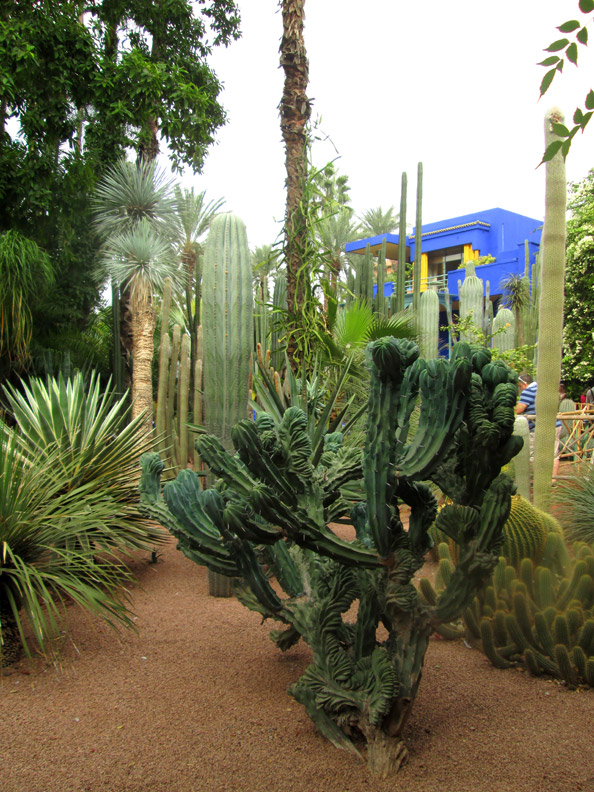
(271, 510)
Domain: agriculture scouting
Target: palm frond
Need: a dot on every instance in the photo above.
(129, 193)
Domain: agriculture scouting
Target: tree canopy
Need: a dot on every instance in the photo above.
(79, 84)
(578, 365)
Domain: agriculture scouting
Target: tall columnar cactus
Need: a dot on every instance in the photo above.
(275, 502)
(550, 316)
(227, 328)
(279, 307)
(418, 238)
(504, 330)
(401, 273)
(380, 299)
(471, 294)
(428, 324)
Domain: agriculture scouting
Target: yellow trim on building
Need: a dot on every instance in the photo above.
(470, 254)
(424, 271)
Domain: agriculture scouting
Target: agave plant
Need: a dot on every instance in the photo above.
(43, 562)
(92, 444)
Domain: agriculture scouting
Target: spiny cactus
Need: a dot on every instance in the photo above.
(471, 293)
(428, 324)
(504, 330)
(550, 332)
(532, 614)
(270, 514)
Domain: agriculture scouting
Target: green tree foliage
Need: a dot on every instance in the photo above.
(563, 49)
(79, 84)
(578, 365)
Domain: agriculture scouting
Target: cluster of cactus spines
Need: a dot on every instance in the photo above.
(401, 273)
(550, 333)
(227, 326)
(534, 616)
(428, 324)
(271, 508)
(504, 330)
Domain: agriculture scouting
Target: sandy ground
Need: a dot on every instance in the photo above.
(196, 700)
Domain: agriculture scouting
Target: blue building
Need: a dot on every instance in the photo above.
(448, 244)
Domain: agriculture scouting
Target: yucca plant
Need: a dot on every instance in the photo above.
(43, 563)
(93, 445)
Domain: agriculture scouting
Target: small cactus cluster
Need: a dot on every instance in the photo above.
(532, 614)
(276, 497)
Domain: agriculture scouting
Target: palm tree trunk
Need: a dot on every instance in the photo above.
(143, 328)
(295, 111)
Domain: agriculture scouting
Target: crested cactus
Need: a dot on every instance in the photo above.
(275, 499)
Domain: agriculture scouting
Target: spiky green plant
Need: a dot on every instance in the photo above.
(274, 503)
(537, 615)
(48, 532)
(93, 444)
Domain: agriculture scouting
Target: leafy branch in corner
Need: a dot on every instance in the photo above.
(569, 49)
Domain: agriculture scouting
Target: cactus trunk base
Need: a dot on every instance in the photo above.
(219, 585)
(385, 755)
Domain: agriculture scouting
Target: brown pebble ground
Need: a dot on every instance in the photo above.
(196, 701)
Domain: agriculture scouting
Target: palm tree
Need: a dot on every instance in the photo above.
(194, 216)
(126, 194)
(377, 221)
(141, 259)
(295, 110)
(334, 232)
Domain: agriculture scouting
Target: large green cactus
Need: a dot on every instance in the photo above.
(227, 328)
(550, 312)
(272, 508)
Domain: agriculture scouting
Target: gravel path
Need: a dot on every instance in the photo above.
(196, 701)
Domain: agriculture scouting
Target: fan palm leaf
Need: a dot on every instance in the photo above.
(129, 193)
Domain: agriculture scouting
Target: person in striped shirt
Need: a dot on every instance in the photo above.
(527, 404)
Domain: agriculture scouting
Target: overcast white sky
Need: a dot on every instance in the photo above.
(452, 85)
